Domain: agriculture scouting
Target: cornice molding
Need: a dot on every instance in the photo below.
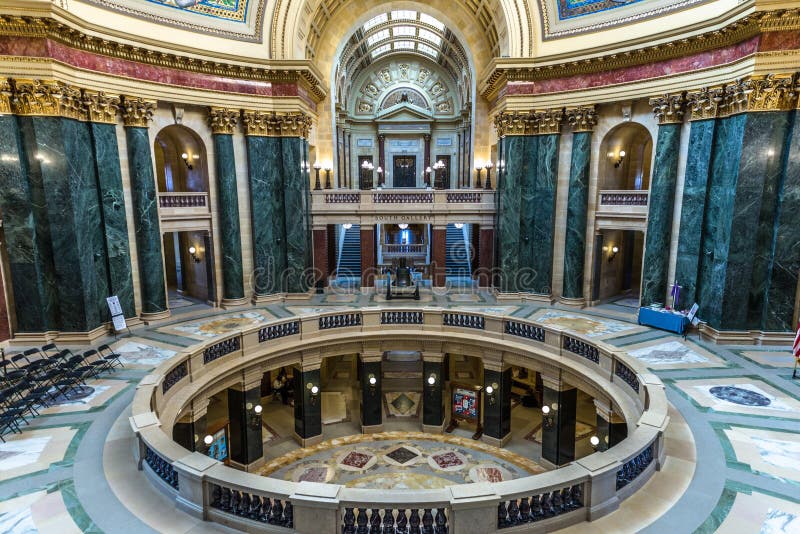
(137, 112)
(300, 72)
(669, 109)
(272, 124)
(223, 120)
(581, 118)
(546, 122)
(506, 70)
(101, 107)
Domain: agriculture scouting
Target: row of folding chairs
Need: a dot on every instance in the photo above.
(37, 377)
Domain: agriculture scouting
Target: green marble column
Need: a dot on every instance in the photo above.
(577, 205)
(780, 294)
(544, 207)
(267, 212)
(228, 206)
(112, 205)
(145, 209)
(529, 145)
(296, 193)
(662, 200)
(693, 207)
(27, 233)
(509, 207)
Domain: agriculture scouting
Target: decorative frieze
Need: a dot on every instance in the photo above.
(772, 92)
(137, 112)
(100, 107)
(669, 109)
(581, 118)
(704, 103)
(46, 98)
(274, 124)
(223, 120)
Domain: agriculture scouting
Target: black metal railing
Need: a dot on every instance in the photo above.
(634, 467)
(223, 348)
(162, 468)
(390, 521)
(528, 331)
(276, 331)
(341, 320)
(539, 507)
(627, 375)
(464, 320)
(254, 507)
(174, 376)
(581, 348)
(401, 317)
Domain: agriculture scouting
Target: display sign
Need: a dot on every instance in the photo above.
(465, 404)
(219, 447)
(117, 315)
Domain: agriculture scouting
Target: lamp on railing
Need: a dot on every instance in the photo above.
(488, 175)
(548, 417)
(193, 253)
(478, 169)
(428, 172)
(438, 169)
(317, 167)
(314, 390)
(491, 392)
(327, 176)
(366, 171)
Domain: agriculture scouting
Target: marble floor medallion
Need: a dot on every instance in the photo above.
(668, 353)
(448, 461)
(489, 473)
(357, 460)
(741, 396)
(320, 473)
(138, 353)
(403, 455)
(590, 326)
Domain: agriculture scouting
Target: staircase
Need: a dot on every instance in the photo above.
(457, 255)
(349, 264)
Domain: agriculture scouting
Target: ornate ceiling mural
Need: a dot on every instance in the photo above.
(235, 19)
(565, 18)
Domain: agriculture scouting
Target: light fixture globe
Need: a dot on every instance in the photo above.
(489, 390)
(258, 409)
(208, 440)
(431, 380)
(595, 441)
(314, 390)
(373, 380)
(545, 410)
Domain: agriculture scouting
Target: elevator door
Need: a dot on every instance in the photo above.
(405, 171)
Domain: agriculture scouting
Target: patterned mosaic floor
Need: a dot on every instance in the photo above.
(70, 471)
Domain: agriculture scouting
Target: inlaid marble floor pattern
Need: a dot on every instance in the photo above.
(70, 471)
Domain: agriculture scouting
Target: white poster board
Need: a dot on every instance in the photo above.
(693, 312)
(119, 323)
(117, 316)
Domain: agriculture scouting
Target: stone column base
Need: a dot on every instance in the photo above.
(270, 299)
(574, 303)
(495, 442)
(536, 297)
(300, 296)
(227, 304)
(307, 442)
(371, 429)
(147, 318)
(433, 429)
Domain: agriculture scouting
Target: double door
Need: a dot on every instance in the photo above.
(405, 171)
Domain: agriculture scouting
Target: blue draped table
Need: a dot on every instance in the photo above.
(665, 320)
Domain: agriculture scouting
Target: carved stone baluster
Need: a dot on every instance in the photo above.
(524, 510)
(502, 515)
(513, 512)
(276, 517)
(375, 521)
(266, 510)
(402, 522)
(427, 522)
(388, 522)
(414, 522)
(441, 521)
(362, 521)
(348, 526)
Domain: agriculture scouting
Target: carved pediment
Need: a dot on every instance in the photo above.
(404, 112)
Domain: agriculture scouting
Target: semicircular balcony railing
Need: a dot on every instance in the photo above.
(584, 489)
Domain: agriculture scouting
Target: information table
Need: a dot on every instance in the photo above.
(663, 319)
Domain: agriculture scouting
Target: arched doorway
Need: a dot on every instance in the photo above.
(182, 177)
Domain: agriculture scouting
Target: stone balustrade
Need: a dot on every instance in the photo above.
(624, 198)
(585, 489)
(628, 208)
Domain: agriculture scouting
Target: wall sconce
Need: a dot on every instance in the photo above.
(491, 392)
(314, 393)
(327, 176)
(373, 382)
(185, 158)
(195, 256)
(379, 170)
(317, 167)
(620, 157)
(548, 417)
(478, 169)
(208, 440)
(594, 441)
(254, 416)
(614, 251)
(432, 380)
(489, 174)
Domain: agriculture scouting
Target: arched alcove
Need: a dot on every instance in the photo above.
(627, 154)
(181, 161)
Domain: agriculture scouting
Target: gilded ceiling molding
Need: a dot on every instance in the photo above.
(582, 118)
(137, 112)
(46, 98)
(511, 70)
(772, 92)
(101, 107)
(272, 124)
(43, 28)
(704, 103)
(223, 120)
(669, 109)
(5, 97)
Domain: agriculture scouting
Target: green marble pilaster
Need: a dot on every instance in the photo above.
(577, 205)
(544, 205)
(145, 209)
(27, 233)
(780, 305)
(114, 220)
(695, 189)
(296, 204)
(659, 219)
(228, 205)
(510, 197)
(528, 213)
(264, 155)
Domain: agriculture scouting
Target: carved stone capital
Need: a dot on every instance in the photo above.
(514, 123)
(101, 107)
(222, 120)
(46, 98)
(137, 112)
(5, 97)
(772, 92)
(276, 124)
(548, 122)
(705, 103)
(581, 118)
(669, 109)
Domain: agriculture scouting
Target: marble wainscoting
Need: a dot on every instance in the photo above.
(298, 215)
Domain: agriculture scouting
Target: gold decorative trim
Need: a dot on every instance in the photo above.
(547, 122)
(272, 124)
(668, 109)
(704, 103)
(582, 118)
(46, 98)
(5, 97)
(772, 92)
(45, 28)
(137, 112)
(223, 120)
(101, 107)
(510, 69)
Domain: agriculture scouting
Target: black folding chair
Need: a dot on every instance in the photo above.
(110, 356)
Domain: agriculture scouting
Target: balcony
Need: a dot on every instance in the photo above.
(414, 251)
(475, 206)
(622, 209)
(184, 211)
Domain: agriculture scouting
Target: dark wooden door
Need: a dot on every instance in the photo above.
(405, 171)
